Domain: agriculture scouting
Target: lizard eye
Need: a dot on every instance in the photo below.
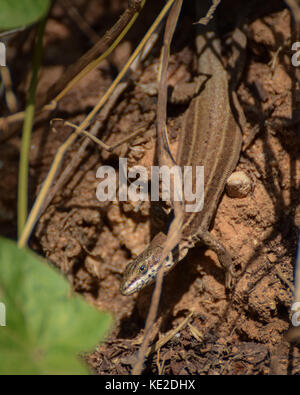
(143, 269)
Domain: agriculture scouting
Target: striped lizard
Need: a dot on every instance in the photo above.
(210, 137)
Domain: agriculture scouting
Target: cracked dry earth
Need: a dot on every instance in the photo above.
(91, 242)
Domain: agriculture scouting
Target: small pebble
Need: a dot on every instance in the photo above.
(238, 185)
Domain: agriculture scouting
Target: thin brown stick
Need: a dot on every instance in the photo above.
(84, 64)
(101, 118)
(101, 46)
(39, 201)
(68, 171)
(210, 13)
(101, 143)
(297, 273)
(163, 155)
(168, 336)
(295, 9)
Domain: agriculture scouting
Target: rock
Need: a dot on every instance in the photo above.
(238, 185)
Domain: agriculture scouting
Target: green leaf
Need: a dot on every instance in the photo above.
(46, 328)
(18, 13)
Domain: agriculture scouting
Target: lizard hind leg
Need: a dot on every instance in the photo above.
(223, 255)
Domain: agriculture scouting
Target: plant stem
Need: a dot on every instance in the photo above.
(27, 130)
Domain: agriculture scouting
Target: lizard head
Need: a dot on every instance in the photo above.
(143, 270)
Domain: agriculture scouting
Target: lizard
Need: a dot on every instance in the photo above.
(210, 137)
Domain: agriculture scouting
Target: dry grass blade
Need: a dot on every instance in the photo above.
(101, 118)
(210, 13)
(39, 202)
(76, 159)
(160, 366)
(295, 8)
(86, 62)
(197, 335)
(163, 340)
(90, 59)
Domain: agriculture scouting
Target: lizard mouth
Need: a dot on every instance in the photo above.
(126, 290)
(130, 287)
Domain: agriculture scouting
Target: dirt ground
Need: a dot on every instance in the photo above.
(91, 242)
